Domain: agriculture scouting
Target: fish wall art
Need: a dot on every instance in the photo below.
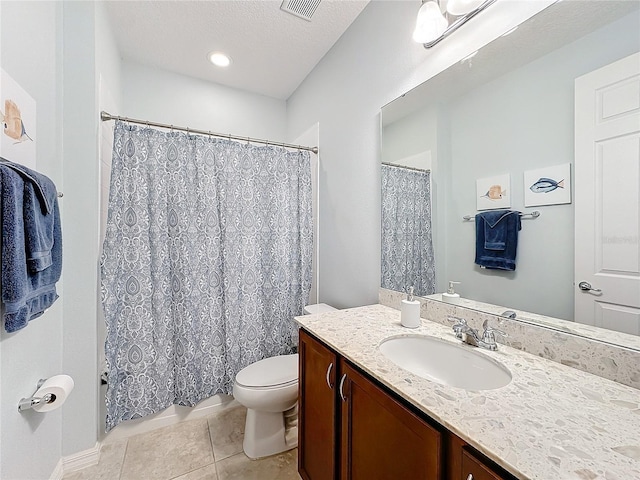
(18, 138)
(548, 186)
(493, 192)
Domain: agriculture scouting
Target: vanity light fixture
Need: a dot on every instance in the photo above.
(219, 59)
(437, 19)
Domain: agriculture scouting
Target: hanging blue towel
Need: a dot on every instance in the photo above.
(31, 246)
(497, 239)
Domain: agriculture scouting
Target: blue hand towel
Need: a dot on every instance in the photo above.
(497, 239)
(31, 246)
(38, 204)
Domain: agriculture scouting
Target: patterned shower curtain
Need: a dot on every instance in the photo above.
(407, 247)
(206, 259)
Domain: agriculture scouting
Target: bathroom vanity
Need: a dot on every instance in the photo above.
(362, 416)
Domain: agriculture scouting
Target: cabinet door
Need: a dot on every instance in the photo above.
(317, 415)
(381, 438)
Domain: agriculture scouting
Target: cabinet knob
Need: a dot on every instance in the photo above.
(470, 477)
(344, 377)
(329, 375)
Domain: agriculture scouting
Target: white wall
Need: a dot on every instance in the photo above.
(158, 95)
(31, 443)
(80, 224)
(374, 62)
(108, 75)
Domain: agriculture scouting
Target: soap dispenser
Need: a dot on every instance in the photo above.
(410, 311)
(451, 296)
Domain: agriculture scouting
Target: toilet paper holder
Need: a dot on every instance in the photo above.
(27, 403)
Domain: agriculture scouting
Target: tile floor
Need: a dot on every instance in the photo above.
(202, 449)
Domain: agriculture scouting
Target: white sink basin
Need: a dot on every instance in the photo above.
(445, 362)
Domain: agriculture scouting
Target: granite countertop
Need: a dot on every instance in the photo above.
(552, 422)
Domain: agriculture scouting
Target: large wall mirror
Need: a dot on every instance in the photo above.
(509, 110)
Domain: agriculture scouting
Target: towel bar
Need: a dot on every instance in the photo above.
(534, 214)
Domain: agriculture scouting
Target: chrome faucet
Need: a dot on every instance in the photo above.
(470, 335)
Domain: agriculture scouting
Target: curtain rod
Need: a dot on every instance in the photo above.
(104, 116)
(405, 167)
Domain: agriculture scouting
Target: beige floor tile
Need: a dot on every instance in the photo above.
(277, 467)
(205, 473)
(227, 432)
(109, 466)
(168, 452)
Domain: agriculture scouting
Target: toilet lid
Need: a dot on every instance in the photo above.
(318, 308)
(270, 372)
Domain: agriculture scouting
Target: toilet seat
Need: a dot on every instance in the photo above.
(274, 372)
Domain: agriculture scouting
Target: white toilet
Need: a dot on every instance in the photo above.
(269, 390)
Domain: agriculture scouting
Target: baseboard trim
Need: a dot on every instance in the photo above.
(80, 460)
(171, 416)
(58, 472)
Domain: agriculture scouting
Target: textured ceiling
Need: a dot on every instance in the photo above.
(272, 51)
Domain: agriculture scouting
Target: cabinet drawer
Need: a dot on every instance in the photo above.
(475, 469)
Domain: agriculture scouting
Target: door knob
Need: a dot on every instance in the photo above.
(586, 287)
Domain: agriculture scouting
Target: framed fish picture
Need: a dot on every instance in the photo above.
(18, 121)
(493, 192)
(548, 186)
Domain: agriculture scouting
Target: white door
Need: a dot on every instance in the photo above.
(607, 198)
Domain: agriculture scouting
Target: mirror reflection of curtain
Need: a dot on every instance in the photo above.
(407, 246)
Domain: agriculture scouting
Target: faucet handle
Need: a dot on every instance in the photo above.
(459, 325)
(489, 334)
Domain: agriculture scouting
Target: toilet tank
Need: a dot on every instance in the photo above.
(318, 308)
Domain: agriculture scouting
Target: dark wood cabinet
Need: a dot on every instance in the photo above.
(350, 428)
(353, 428)
(381, 438)
(474, 469)
(464, 463)
(317, 420)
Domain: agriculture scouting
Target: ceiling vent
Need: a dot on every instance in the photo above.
(300, 8)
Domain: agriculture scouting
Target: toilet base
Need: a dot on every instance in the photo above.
(265, 433)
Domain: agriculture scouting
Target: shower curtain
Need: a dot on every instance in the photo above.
(407, 247)
(206, 259)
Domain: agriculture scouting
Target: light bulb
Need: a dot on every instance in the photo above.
(462, 7)
(219, 59)
(430, 23)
